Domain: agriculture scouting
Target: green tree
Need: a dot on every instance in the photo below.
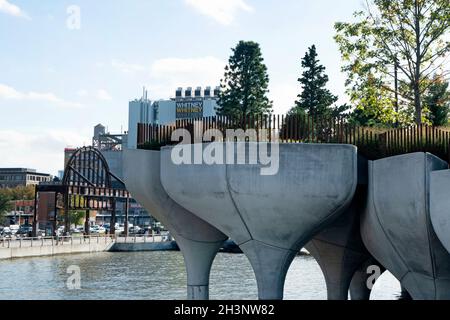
(245, 85)
(374, 106)
(405, 34)
(5, 206)
(315, 99)
(437, 100)
(77, 217)
(19, 192)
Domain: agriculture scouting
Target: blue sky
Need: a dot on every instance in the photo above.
(57, 82)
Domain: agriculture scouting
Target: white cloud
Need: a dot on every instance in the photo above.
(82, 93)
(223, 11)
(25, 147)
(102, 94)
(12, 9)
(169, 73)
(126, 67)
(9, 93)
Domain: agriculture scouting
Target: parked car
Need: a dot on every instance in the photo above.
(25, 231)
(145, 231)
(134, 230)
(95, 229)
(14, 228)
(40, 233)
(6, 232)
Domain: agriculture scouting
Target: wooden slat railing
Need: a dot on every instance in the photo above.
(373, 143)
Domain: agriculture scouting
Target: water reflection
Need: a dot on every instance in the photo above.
(157, 275)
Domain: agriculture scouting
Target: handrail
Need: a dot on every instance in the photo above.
(52, 241)
(73, 240)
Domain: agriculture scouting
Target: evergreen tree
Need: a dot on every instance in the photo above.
(315, 99)
(245, 85)
(437, 99)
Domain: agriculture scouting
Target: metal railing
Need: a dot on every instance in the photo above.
(53, 241)
(373, 143)
(139, 238)
(28, 242)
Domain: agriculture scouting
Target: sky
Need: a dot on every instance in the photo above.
(66, 66)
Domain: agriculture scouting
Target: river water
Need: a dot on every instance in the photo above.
(157, 275)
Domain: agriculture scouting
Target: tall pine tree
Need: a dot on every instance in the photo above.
(315, 99)
(245, 85)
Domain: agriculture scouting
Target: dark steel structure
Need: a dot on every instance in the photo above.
(88, 184)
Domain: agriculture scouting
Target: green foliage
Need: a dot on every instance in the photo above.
(315, 99)
(437, 100)
(409, 32)
(245, 85)
(77, 217)
(373, 104)
(19, 193)
(5, 205)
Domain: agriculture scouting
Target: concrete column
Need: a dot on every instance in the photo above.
(270, 216)
(270, 265)
(198, 241)
(404, 295)
(338, 265)
(361, 286)
(338, 248)
(198, 259)
(396, 225)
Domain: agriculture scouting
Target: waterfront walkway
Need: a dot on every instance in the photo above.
(44, 246)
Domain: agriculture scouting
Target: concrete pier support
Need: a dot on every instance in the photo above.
(364, 278)
(341, 255)
(396, 226)
(199, 242)
(440, 205)
(338, 249)
(198, 258)
(270, 265)
(271, 217)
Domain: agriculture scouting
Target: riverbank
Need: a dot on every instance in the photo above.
(23, 248)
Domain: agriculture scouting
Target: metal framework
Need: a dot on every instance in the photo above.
(87, 185)
(109, 142)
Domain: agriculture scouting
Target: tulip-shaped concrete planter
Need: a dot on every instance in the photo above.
(198, 241)
(271, 217)
(342, 256)
(396, 225)
(440, 205)
(340, 252)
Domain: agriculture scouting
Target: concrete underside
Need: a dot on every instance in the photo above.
(270, 217)
(198, 241)
(340, 251)
(440, 205)
(396, 226)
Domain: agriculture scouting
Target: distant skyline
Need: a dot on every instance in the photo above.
(58, 81)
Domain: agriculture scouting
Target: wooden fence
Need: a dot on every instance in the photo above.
(373, 143)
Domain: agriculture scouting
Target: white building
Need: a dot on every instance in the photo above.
(139, 111)
(187, 104)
